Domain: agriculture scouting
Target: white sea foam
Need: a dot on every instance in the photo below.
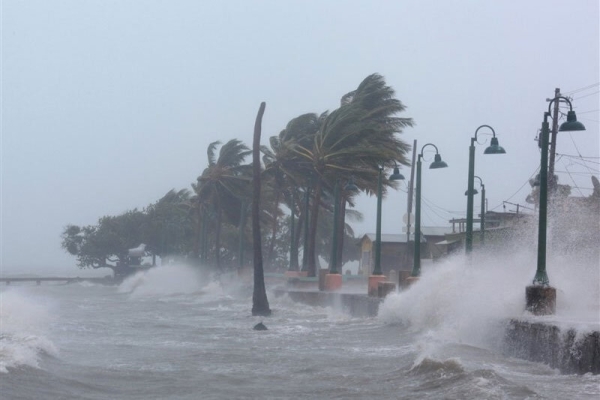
(23, 321)
(468, 302)
(164, 280)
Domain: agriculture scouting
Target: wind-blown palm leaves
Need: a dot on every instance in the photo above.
(354, 140)
(221, 185)
(284, 174)
(301, 167)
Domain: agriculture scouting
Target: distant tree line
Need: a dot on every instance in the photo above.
(207, 224)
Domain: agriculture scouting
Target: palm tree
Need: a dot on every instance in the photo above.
(220, 185)
(354, 140)
(260, 303)
(283, 174)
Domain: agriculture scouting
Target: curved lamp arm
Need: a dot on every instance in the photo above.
(558, 98)
(480, 181)
(428, 144)
(474, 139)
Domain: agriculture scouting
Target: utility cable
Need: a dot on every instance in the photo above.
(581, 89)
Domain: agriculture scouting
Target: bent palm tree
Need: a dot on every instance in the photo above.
(222, 183)
(354, 140)
(260, 303)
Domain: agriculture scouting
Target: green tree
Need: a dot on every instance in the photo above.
(106, 244)
(221, 185)
(285, 175)
(355, 140)
(168, 228)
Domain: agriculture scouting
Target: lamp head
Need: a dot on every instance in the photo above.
(396, 176)
(494, 147)
(474, 192)
(571, 124)
(438, 163)
(350, 186)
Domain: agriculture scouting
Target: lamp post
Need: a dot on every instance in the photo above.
(376, 275)
(482, 223)
(437, 163)
(494, 148)
(540, 297)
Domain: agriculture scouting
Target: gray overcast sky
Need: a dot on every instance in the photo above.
(106, 105)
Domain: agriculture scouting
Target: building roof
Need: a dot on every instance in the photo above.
(401, 238)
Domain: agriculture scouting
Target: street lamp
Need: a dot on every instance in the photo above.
(494, 148)
(437, 163)
(376, 275)
(540, 297)
(396, 176)
(482, 223)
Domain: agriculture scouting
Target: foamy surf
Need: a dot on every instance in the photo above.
(23, 321)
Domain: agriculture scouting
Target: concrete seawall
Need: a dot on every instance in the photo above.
(565, 350)
(357, 305)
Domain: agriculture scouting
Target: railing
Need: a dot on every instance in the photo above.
(56, 279)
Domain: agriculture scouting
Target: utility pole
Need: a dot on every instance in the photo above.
(551, 181)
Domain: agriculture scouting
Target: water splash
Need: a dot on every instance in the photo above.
(23, 319)
(470, 302)
(165, 280)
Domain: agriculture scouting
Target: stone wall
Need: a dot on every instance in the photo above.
(546, 343)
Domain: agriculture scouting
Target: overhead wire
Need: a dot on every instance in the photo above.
(571, 92)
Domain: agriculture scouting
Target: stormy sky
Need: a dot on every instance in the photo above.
(107, 105)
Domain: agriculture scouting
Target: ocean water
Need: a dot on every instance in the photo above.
(171, 333)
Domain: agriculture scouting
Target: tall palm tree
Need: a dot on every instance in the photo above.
(260, 303)
(354, 140)
(221, 183)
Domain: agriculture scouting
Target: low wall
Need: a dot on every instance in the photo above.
(533, 341)
(547, 343)
(357, 305)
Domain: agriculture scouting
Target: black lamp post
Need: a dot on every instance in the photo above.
(540, 297)
(437, 163)
(494, 148)
(482, 224)
(396, 176)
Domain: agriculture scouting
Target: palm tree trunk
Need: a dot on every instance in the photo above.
(312, 235)
(341, 225)
(273, 229)
(218, 241)
(197, 236)
(295, 262)
(260, 303)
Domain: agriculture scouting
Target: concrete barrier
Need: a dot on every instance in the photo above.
(357, 305)
(565, 350)
(546, 343)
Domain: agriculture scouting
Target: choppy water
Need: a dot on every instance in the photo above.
(166, 334)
